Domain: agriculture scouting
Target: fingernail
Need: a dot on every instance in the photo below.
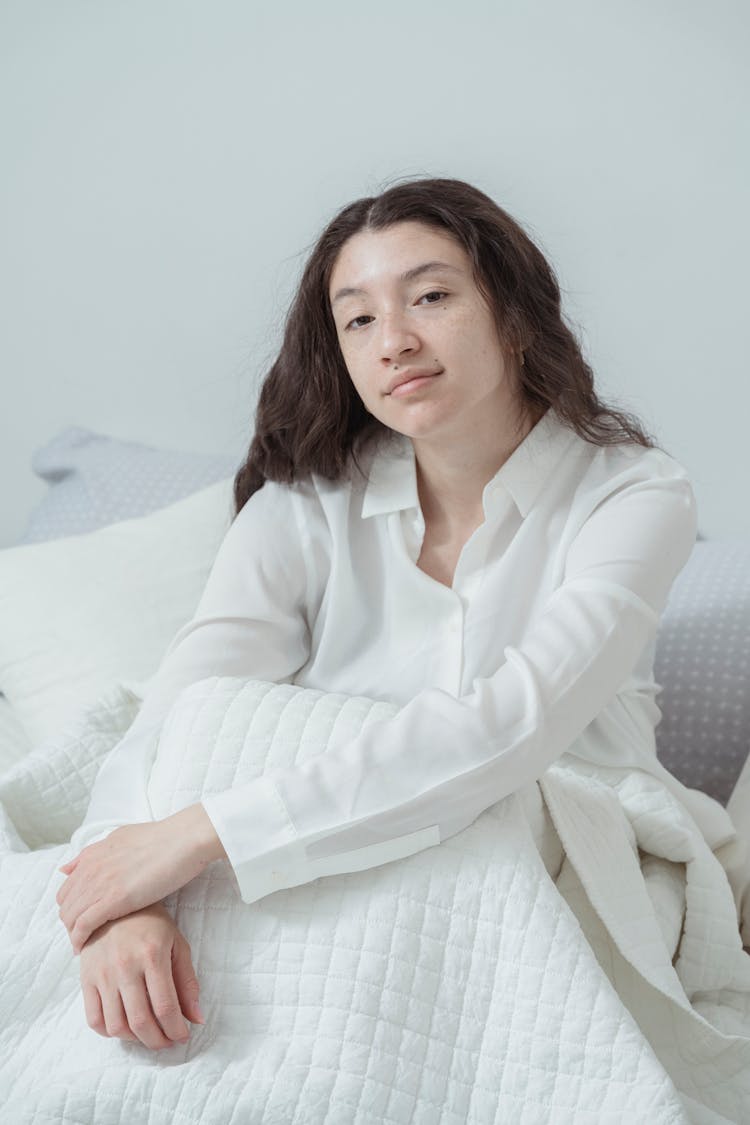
(201, 1018)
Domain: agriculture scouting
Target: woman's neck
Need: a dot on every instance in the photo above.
(451, 480)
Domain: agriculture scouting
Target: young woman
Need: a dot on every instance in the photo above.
(437, 510)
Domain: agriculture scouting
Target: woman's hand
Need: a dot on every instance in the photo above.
(138, 980)
(133, 867)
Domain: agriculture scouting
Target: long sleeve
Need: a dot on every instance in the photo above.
(403, 780)
(250, 621)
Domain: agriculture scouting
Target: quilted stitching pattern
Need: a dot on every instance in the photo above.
(461, 984)
(48, 789)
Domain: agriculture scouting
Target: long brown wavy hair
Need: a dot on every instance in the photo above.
(310, 418)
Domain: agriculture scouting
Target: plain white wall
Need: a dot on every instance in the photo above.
(167, 164)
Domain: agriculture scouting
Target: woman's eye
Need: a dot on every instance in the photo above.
(432, 298)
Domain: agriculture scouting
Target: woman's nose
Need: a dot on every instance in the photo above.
(396, 336)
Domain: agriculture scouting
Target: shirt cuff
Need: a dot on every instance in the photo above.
(258, 836)
(267, 854)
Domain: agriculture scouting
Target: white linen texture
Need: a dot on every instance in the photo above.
(504, 975)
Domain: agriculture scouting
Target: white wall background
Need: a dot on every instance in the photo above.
(166, 164)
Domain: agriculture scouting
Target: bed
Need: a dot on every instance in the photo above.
(388, 996)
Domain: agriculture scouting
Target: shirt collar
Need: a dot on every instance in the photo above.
(392, 479)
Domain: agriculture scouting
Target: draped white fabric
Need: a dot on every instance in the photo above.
(543, 644)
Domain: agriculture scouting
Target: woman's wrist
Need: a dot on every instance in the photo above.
(195, 829)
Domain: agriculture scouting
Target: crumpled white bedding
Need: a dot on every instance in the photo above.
(14, 741)
(466, 983)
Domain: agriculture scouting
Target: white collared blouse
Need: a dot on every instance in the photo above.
(544, 644)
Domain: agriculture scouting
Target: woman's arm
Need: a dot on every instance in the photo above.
(251, 621)
(402, 780)
(405, 783)
(133, 867)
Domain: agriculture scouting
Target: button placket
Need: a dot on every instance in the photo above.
(455, 644)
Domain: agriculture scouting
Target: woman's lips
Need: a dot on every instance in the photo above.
(412, 385)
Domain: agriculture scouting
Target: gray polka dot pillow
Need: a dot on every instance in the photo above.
(96, 480)
(702, 663)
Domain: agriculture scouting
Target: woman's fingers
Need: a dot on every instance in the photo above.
(115, 1018)
(69, 867)
(92, 1004)
(185, 980)
(85, 925)
(76, 903)
(127, 978)
(165, 1003)
(140, 1016)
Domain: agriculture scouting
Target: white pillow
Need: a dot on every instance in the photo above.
(14, 741)
(78, 612)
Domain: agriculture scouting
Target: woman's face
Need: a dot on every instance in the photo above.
(405, 304)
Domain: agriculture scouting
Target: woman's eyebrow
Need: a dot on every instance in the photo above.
(407, 275)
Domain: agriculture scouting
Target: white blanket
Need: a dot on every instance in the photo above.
(461, 984)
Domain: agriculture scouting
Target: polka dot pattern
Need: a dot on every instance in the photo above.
(702, 663)
(97, 480)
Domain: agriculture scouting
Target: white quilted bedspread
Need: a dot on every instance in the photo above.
(462, 984)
